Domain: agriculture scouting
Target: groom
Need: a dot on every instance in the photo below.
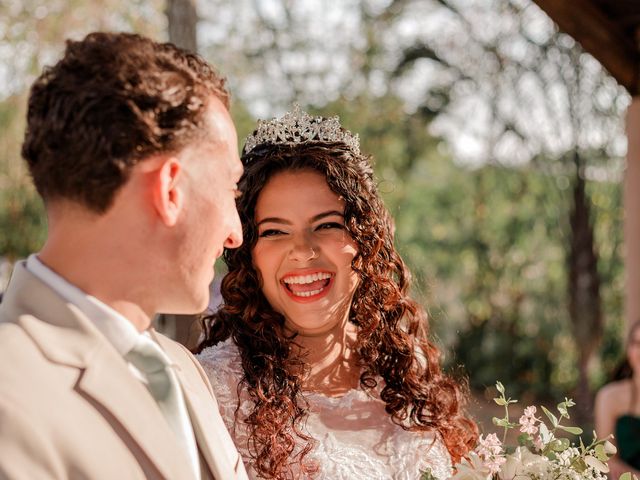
(131, 146)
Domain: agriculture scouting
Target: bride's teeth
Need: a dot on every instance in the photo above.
(314, 277)
(307, 294)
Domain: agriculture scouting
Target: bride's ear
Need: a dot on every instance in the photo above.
(166, 190)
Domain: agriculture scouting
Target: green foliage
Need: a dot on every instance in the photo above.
(22, 222)
(487, 250)
(22, 219)
(486, 245)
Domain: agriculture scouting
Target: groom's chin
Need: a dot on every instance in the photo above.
(193, 304)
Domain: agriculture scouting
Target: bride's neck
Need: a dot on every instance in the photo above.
(330, 360)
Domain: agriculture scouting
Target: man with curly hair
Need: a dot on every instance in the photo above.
(131, 146)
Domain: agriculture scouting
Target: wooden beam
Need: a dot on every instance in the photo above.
(599, 36)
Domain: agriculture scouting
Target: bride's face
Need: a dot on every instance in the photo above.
(304, 252)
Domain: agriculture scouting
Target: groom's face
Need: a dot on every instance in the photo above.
(210, 223)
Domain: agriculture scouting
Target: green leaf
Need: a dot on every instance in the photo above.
(500, 387)
(524, 439)
(562, 408)
(500, 422)
(427, 475)
(625, 476)
(500, 401)
(600, 453)
(552, 418)
(579, 465)
(560, 444)
(571, 430)
(503, 422)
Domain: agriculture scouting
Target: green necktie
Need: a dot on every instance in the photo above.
(164, 387)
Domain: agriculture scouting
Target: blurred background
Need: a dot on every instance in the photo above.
(498, 141)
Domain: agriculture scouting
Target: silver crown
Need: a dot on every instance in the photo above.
(298, 126)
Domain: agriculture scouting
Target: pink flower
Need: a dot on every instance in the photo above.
(528, 421)
(489, 446)
(494, 464)
(490, 451)
(538, 443)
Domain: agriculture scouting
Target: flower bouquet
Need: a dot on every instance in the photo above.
(541, 453)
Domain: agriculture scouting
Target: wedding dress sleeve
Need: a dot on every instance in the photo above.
(222, 365)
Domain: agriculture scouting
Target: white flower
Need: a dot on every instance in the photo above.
(471, 469)
(596, 464)
(523, 462)
(610, 448)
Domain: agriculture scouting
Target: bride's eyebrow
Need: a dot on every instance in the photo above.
(281, 221)
(315, 218)
(330, 213)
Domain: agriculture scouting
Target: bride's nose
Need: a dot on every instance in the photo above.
(303, 251)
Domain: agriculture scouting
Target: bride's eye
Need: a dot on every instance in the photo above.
(330, 225)
(271, 232)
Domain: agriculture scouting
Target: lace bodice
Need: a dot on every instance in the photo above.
(355, 438)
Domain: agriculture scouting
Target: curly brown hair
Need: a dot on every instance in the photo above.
(392, 340)
(111, 101)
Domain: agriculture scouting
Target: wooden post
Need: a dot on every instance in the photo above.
(632, 215)
(182, 20)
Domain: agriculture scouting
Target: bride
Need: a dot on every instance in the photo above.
(319, 359)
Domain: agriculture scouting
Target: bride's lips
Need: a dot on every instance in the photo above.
(307, 286)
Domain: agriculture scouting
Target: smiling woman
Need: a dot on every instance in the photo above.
(321, 363)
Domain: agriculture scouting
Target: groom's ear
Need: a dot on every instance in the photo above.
(166, 191)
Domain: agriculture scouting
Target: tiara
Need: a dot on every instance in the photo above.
(298, 126)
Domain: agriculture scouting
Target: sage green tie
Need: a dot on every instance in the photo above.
(164, 387)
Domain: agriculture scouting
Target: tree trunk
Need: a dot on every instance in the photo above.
(183, 19)
(584, 292)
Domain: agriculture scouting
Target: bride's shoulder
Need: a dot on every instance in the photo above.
(221, 360)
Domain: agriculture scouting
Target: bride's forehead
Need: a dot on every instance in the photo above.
(303, 184)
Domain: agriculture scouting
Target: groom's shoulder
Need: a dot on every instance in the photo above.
(23, 367)
(14, 340)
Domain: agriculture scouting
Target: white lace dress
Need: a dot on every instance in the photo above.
(355, 439)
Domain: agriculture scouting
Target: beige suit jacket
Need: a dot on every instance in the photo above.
(71, 409)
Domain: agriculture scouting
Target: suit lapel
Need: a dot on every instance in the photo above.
(212, 436)
(130, 403)
(208, 432)
(66, 336)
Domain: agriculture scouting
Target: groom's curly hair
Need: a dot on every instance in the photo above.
(113, 100)
(392, 347)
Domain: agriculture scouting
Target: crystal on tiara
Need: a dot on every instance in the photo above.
(298, 126)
